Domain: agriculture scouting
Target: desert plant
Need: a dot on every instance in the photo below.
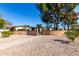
(6, 33)
(72, 34)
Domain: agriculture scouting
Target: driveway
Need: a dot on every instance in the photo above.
(38, 46)
(15, 40)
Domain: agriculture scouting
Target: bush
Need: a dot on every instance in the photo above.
(72, 34)
(6, 33)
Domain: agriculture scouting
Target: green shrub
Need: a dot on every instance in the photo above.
(72, 34)
(6, 33)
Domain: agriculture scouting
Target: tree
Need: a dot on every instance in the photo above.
(54, 12)
(39, 25)
(39, 28)
(69, 19)
(2, 22)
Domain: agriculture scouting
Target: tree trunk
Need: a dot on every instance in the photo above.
(68, 27)
(64, 28)
(56, 25)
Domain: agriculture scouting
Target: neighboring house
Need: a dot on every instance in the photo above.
(28, 27)
(25, 27)
(8, 25)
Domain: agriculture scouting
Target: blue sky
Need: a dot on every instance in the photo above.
(22, 14)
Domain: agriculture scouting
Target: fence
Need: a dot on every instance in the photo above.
(19, 32)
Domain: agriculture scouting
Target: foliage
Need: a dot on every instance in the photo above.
(48, 27)
(55, 13)
(72, 34)
(2, 22)
(69, 18)
(6, 33)
(39, 25)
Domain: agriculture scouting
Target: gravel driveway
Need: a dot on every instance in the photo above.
(40, 46)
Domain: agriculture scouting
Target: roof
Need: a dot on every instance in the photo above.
(22, 26)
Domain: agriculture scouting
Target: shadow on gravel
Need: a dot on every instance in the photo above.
(61, 41)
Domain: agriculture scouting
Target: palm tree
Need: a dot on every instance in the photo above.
(39, 28)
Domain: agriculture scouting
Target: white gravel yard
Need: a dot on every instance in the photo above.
(14, 40)
(38, 46)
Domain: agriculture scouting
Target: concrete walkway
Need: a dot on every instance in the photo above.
(15, 41)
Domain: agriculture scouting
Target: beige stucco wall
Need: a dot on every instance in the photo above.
(19, 33)
(19, 28)
(58, 33)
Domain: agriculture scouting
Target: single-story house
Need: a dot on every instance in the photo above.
(23, 27)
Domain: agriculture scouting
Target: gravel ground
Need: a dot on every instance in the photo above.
(44, 46)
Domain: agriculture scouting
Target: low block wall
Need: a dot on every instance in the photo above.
(19, 32)
(58, 33)
(46, 32)
(34, 32)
